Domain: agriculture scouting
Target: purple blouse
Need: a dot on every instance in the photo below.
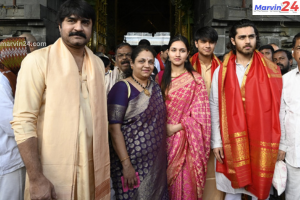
(119, 95)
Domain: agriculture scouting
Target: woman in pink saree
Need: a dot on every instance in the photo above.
(188, 124)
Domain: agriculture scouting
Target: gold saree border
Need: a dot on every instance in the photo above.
(178, 82)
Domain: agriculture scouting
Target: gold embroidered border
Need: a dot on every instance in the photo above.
(262, 174)
(264, 144)
(227, 146)
(265, 158)
(103, 189)
(242, 163)
(241, 149)
(273, 67)
(238, 134)
(180, 82)
(274, 75)
(215, 57)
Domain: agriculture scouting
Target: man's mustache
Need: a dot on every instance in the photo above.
(125, 62)
(81, 34)
(280, 65)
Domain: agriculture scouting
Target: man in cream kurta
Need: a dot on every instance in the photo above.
(60, 120)
(123, 57)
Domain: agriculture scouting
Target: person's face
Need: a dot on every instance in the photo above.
(101, 49)
(267, 53)
(143, 65)
(178, 53)
(296, 51)
(205, 47)
(164, 54)
(281, 59)
(76, 32)
(123, 57)
(244, 41)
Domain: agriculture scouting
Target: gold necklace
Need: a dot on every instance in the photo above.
(146, 91)
(179, 74)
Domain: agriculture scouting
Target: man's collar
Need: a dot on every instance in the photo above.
(241, 64)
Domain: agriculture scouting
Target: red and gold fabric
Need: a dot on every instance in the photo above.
(188, 149)
(162, 66)
(12, 52)
(249, 123)
(197, 65)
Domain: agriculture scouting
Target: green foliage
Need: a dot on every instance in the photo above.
(92, 2)
(187, 7)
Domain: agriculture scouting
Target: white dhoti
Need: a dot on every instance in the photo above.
(292, 191)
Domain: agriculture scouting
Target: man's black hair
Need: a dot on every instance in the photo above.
(79, 8)
(206, 33)
(288, 53)
(105, 60)
(164, 48)
(122, 45)
(241, 24)
(144, 42)
(296, 37)
(266, 47)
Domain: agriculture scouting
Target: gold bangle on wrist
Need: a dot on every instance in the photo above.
(124, 158)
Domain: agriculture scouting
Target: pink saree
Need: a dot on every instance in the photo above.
(188, 150)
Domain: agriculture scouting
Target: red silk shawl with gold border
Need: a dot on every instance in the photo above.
(215, 63)
(249, 123)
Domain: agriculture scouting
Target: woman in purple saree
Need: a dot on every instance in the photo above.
(137, 118)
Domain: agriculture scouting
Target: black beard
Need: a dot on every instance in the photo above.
(285, 70)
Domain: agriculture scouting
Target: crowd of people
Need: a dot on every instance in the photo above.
(156, 126)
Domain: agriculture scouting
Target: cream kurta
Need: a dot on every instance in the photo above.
(113, 77)
(206, 75)
(85, 182)
(210, 189)
(68, 117)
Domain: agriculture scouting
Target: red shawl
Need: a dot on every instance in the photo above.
(197, 66)
(250, 126)
(162, 66)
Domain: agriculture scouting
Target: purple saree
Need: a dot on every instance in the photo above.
(143, 122)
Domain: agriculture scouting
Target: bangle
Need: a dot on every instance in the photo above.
(124, 158)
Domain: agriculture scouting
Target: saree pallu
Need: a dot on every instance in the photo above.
(249, 123)
(144, 129)
(188, 150)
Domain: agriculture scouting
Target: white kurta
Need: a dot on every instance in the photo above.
(290, 131)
